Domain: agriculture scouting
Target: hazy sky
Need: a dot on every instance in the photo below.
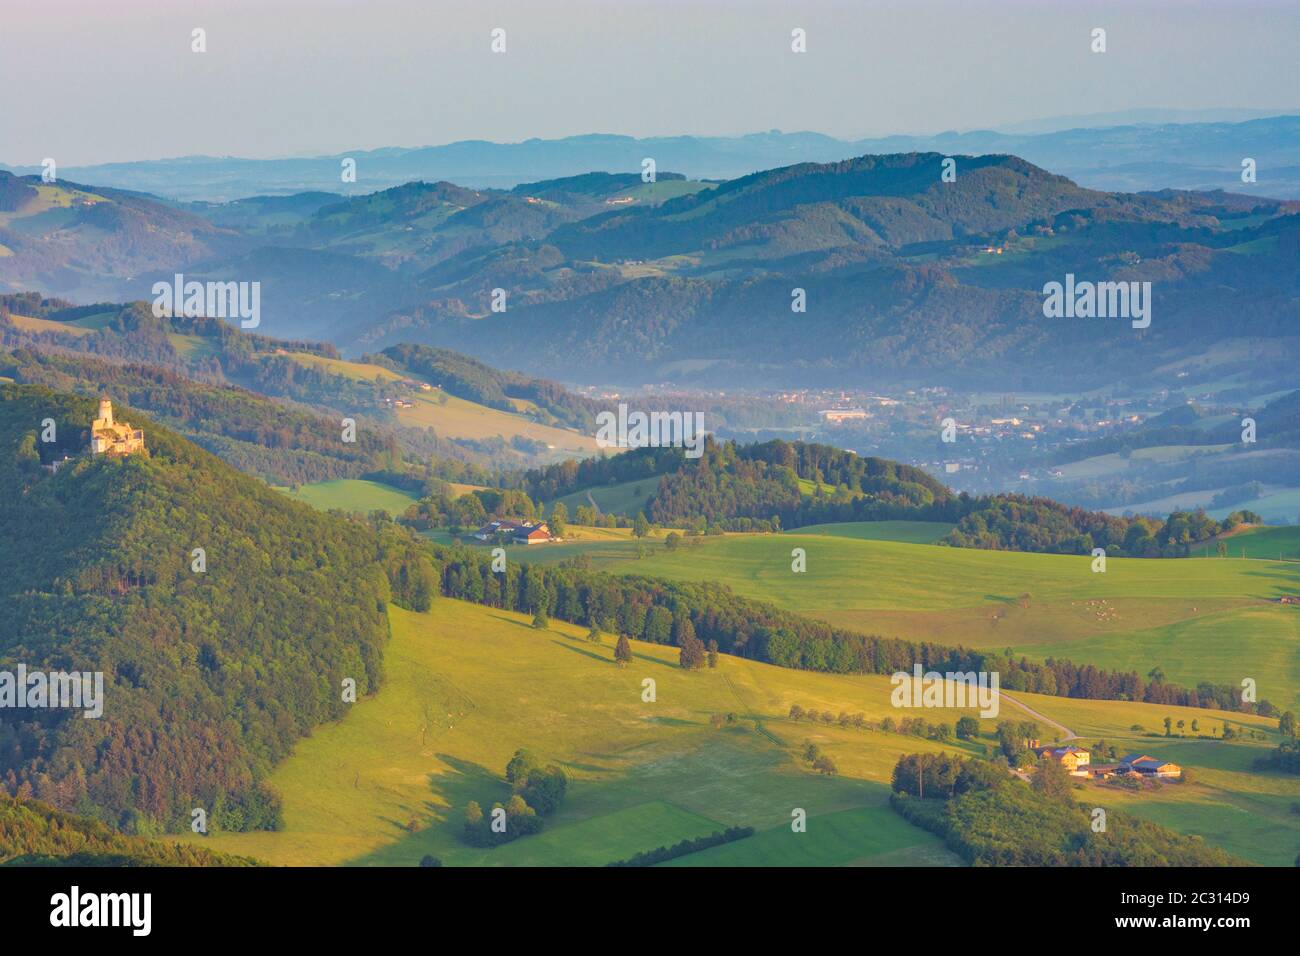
(87, 81)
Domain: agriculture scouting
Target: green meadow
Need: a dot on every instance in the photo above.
(468, 685)
(353, 494)
(1280, 543)
(909, 532)
(625, 498)
(1198, 620)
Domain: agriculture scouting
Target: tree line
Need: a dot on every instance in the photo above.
(763, 487)
(666, 612)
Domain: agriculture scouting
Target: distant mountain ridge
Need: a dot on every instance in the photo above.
(1191, 155)
(908, 267)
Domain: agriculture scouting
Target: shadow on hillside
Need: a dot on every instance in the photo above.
(647, 659)
(1285, 580)
(583, 651)
(510, 620)
(460, 783)
(729, 779)
(672, 721)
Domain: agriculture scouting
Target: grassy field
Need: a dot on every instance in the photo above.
(1197, 619)
(1112, 464)
(192, 348)
(910, 532)
(453, 417)
(353, 494)
(29, 324)
(605, 544)
(1280, 505)
(867, 834)
(361, 371)
(1280, 543)
(626, 498)
(467, 685)
(51, 200)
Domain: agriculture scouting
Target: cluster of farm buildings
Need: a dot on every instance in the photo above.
(518, 532)
(1078, 763)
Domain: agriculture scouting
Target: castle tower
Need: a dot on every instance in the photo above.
(110, 437)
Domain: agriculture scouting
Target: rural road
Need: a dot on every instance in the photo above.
(1066, 732)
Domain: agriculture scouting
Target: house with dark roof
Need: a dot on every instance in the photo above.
(1148, 766)
(518, 532)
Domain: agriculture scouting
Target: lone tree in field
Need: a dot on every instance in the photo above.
(640, 526)
(968, 728)
(520, 766)
(473, 816)
(623, 651)
(825, 765)
(692, 654)
(593, 636)
(559, 519)
(540, 621)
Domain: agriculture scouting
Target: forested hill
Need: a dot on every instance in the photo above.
(210, 674)
(281, 442)
(476, 381)
(35, 834)
(779, 484)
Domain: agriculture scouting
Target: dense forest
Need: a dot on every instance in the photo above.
(36, 834)
(661, 612)
(279, 442)
(990, 818)
(758, 487)
(214, 662)
(211, 352)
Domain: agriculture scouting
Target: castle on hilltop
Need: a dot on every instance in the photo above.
(108, 437)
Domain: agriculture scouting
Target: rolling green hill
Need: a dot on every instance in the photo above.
(222, 616)
(909, 532)
(351, 494)
(1198, 620)
(624, 498)
(1265, 543)
(468, 685)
